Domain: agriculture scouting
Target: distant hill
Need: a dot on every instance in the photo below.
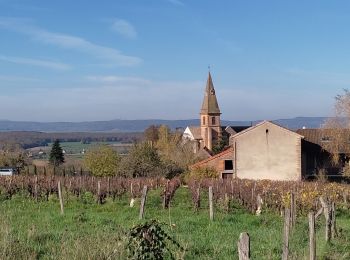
(139, 125)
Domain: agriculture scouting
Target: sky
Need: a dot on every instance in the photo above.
(136, 59)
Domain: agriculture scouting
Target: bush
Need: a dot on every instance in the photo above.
(200, 173)
(150, 241)
(102, 161)
(142, 161)
(87, 198)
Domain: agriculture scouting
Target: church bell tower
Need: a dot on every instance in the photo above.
(210, 117)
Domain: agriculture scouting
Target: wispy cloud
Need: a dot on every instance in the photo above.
(118, 79)
(124, 28)
(69, 42)
(176, 2)
(36, 62)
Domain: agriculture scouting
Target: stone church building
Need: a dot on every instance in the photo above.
(210, 131)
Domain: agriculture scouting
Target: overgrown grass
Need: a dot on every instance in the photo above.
(36, 230)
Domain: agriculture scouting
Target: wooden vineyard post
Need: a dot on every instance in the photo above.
(131, 191)
(108, 187)
(286, 229)
(232, 190)
(292, 209)
(259, 203)
(68, 189)
(198, 199)
(166, 189)
(333, 222)
(99, 192)
(143, 202)
(36, 188)
(312, 236)
(327, 213)
(60, 196)
(243, 246)
(132, 200)
(252, 198)
(211, 209)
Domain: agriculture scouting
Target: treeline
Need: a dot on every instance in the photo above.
(33, 139)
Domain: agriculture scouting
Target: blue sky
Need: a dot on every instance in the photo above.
(99, 60)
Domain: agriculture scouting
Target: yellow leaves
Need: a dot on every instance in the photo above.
(102, 161)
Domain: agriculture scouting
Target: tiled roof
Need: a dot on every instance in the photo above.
(196, 132)
(266, 122)
(323, 138)
(228, 150)
(311, 135)
(232, 130)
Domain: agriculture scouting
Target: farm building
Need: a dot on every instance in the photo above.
(221, 162)
(317, 155)
(267, 151)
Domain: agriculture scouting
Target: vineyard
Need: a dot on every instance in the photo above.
(256, 206)
(267, 195)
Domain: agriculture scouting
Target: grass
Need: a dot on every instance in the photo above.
(36, 230)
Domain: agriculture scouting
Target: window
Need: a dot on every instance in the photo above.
(213, 120)
(203, 120)
(228, 165)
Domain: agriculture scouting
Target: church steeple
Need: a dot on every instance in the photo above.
(210, 116)
(210, 103)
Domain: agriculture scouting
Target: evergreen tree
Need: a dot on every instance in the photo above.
(56, 154)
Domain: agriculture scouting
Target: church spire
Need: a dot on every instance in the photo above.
(210, 103)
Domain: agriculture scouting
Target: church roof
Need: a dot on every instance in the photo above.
(196, 132)
(210, 103)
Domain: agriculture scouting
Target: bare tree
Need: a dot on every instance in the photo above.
(336, 130)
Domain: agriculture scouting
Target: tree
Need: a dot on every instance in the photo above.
(171, 147)
(102, 161)
(151, 134)
(12, 155)
(56, 154)
(221, 145)
(142, 161)
(336, 130)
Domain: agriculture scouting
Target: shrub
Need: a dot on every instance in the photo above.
(87, 198)
(200, 173)
(102, 161)
(142, 161)
(150, 241)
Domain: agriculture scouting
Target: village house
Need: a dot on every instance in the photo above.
(263, 151)
(267, 151)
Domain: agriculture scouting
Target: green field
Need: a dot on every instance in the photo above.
(36, 230)
(78, 147)
(75, 149)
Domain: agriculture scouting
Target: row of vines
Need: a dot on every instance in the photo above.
(252, 195)
(271, 195)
